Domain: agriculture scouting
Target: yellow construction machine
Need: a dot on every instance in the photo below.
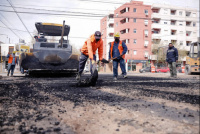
(193, 60)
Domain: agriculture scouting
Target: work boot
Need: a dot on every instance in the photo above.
(7, 74)
(11, 75)
(115, 79)
(78, 77)
(125, 76)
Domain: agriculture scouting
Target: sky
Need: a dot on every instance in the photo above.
(83, 16)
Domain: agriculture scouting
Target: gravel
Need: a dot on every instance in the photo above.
(142, 103)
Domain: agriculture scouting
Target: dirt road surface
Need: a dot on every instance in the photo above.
(142, 103)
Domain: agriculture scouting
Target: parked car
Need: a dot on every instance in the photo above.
(163, 69)
(146, 69)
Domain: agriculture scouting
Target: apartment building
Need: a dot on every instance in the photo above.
(133, 22)
(173, 24)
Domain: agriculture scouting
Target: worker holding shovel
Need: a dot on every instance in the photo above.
(117, 54)
(88, 51)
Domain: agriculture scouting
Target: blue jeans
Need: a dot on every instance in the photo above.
(115, 67)
(83, 60)
(11, 68)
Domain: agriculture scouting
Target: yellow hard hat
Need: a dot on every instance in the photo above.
(116, 34)
(14, 52)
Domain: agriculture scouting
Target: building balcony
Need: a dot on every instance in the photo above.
(191, 18)
(125, 10)
(110, 21)
(173, 37)
(156, 15)
(155, 9)
(110, 30)
(156, 36)
(156, 26)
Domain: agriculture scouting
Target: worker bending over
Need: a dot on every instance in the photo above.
(88, 50)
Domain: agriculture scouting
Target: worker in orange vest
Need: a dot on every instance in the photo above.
(12, 61)
(88, 51)
(118, 50)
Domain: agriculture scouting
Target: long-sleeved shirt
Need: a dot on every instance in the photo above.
(90, 46)
(116, 52)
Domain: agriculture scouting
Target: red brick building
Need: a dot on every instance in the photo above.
(133, 22)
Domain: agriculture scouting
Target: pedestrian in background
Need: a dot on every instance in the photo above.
(12, 61)
(172, 58)
(117, 51)
(88, 51)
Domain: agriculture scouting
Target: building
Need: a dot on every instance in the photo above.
(173, 24)
(133, 21)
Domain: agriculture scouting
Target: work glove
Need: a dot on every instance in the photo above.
(93, 61)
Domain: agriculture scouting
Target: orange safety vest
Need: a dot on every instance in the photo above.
(119, 47)
(11, 58)
(90, 47)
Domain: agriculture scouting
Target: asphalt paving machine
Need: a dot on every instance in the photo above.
(50, 57)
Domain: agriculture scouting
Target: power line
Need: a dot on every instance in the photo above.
(15, 29)
(66, 7)
(19, 18)
(80, 15)
(52, 7)
(9, 28)
(52, 10)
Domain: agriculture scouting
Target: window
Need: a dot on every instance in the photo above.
(134, 52)
(165, 11)
(116, 14)
(194, 15)
(194, 24)
(165, 22)
(146, 42)
(134, 30)
(165, 42)
(181, 42)
(146, 32)
(146, 53)
(146, 12)
(127, 40)
(134, 41)
(146, 22)
(180, 13)
(134, 10)
(127, 52)
(134, 20)
(103, 23)
(116, 24)
(180, 23)
(11, 49)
